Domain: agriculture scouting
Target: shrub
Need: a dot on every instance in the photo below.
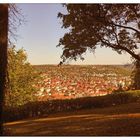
(41, 108)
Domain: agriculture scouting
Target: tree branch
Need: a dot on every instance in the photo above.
(126, 27)
(117, 47)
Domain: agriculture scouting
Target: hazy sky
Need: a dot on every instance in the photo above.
(40, 35)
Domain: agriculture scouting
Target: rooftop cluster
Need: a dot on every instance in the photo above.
(80, 81)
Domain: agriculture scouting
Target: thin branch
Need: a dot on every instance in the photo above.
(117, 47)
(126, 27)
(116, 36)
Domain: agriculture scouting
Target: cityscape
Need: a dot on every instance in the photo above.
(75, 81)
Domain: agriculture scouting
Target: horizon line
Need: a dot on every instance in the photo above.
(81, 64)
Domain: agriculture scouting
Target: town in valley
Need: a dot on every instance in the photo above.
(76, 81)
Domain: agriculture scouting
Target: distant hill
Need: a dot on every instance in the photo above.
(118, 69)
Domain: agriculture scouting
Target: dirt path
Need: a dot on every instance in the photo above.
(123, 120)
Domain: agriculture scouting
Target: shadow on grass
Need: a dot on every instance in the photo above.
(123, 120)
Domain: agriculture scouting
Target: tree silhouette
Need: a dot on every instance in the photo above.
(60, 63)
(136, 75)
(9, 15)
(3, 57)
(100, 25)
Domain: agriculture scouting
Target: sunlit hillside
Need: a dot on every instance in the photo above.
(74, 81)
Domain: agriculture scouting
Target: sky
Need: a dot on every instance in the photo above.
(42, 31)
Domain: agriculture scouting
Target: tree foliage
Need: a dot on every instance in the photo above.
(100, 25)
(21, 79)
(136, 75)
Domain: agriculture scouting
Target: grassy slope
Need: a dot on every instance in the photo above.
(122, 120)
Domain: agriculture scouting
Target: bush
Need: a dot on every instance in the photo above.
(41, 108)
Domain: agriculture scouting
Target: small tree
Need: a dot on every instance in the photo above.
(21, 79)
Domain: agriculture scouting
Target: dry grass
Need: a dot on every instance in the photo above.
(122, 120)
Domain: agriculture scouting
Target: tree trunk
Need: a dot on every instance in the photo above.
(3, 57)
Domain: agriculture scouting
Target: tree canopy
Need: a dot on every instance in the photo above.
(21, 79)
(100, 25)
